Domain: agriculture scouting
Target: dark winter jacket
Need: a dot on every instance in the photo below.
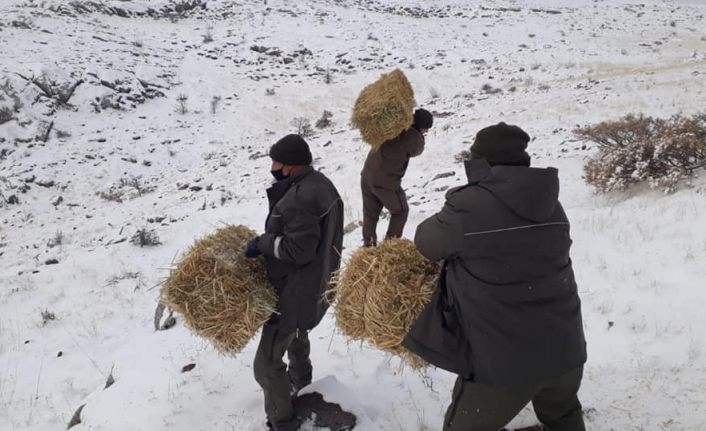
(302, 246)
(507, 312)
(385, 167)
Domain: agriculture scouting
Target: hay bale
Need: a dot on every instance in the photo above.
(223, 296)
(381, 292)
(383, 109)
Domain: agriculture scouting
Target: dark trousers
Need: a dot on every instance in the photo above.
(374, 199)
(276, 379)
(477, 407)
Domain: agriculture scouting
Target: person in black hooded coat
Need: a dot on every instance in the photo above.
(302, 247)
(507, 315)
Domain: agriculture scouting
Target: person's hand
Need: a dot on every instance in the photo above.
(252, 250)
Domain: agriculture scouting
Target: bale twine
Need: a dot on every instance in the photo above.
(223, 296)
(383, 109)
(381, 292)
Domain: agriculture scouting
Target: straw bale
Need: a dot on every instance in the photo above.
(383, 109)
(222, 295)
(381, 292)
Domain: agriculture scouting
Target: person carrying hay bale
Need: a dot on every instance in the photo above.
(302, 247)
(381, 178)
(381, 292)
(223, 296)
(507, 318)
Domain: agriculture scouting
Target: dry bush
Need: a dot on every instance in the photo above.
(145, 238)
(182, 106)
(325, 120)
(637, 149)
(303, 127)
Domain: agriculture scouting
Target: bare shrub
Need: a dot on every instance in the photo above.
(489, 89)
(57, 240)
(269, 92)
(47, 316)
(112, 195)
(463, 156)
(182, 107)
(145, 238)
(636, 149)
(214, 104)
(303, 126)
(325, 120)
(208, 37)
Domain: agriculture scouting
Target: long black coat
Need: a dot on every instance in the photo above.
(507, 312)
(302, 246)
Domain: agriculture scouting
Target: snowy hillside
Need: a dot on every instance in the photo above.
(127, 116)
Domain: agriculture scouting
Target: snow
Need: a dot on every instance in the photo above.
(639, 256)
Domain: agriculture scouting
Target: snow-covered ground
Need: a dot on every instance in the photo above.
(77, 298)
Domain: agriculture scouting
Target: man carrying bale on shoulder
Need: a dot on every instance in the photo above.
(507, 315)
(381, 178)
(301, 245)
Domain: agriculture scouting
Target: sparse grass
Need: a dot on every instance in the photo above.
(127, 275)
(135, 183)
(112, 195)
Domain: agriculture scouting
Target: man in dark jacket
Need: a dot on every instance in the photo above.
(381, 178)
(507, 316)
(301, 245)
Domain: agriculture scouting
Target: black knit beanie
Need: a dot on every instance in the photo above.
(291, 150)
(423, 119)
(502, 144)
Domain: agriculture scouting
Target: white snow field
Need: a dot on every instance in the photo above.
(77, 297)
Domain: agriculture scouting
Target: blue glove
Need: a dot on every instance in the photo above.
(253, 249)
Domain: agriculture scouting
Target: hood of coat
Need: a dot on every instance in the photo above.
(531, 193)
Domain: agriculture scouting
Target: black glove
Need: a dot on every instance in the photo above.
(253, 249)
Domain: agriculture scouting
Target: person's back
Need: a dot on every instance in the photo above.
(310, 200)
(386, 166)
(510, 303)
